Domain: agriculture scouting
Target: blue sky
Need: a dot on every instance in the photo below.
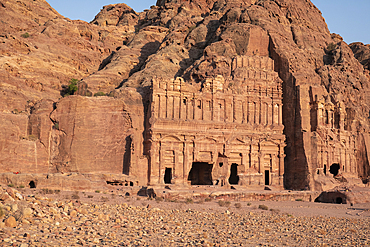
(350, 19)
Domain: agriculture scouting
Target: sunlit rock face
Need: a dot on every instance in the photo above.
(220, 92)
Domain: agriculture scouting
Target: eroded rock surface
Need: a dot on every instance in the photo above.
(121, 53)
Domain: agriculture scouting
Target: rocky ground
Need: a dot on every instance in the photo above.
(109, 218)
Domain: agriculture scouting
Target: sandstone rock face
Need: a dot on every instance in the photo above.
(362, 53)
(325, 102)
(94, 134)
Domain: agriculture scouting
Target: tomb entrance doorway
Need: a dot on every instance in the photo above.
(234, 178)
(200, 174)
(267, 177)
(168, 175)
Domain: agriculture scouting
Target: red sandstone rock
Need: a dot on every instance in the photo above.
(325, 89)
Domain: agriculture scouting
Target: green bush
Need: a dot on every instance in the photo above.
(72, 87)
(263, 207)
(99, 94)
(189, 201)
(25, 35)
(56, 126)
(224, 203)
(331, 47)
(11, 185)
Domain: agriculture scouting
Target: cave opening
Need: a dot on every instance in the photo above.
(200, 174)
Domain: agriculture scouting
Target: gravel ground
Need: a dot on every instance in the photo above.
(98, 219)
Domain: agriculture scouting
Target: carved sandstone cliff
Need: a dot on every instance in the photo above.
(122, 53)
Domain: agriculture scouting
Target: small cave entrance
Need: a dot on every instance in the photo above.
(334, 169)
(234, 178)
(339, 200)
(200, 174)
(32, 185)
(168, 175)
(267, 177)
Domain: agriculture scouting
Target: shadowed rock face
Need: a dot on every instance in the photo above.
(325, 88)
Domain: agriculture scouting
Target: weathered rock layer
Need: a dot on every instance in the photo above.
(121, 53)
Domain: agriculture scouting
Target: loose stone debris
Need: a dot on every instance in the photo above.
(48, 218)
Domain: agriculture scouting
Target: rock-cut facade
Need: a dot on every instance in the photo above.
(220, 132)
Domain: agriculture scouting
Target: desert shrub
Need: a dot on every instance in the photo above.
(75, 195)
(10, 185)
(25, 35)
(224, 203)
(56, 126)
(99, 94)
(248, 204)
(1, 212)
(21, 186)
(32, 138)
(263, 207)
(90, 196)
(72, 87)
(299, 200)
(189, 201)
(237, 205)
(208, 199)
(47, 191)
(331, 47)
(159, 199)
(191, 29)
(275, 210)
(97, 191)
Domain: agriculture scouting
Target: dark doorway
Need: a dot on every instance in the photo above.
(168, 176)
(334, 169)
(267, 177)
(32, 185)
(325, 169)
(127, 156)
(234, 178)
(200, 174)
(339, 200)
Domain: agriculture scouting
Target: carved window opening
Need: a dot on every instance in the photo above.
(184, 101)
(267, 177)
(234, 178)
(336, 120)
(221, 164)
(326, 117)
(334, 169)
(325, 169)
(32, 185)
(200, 174)
(199, 104)
(168, 175)
(127, 155)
